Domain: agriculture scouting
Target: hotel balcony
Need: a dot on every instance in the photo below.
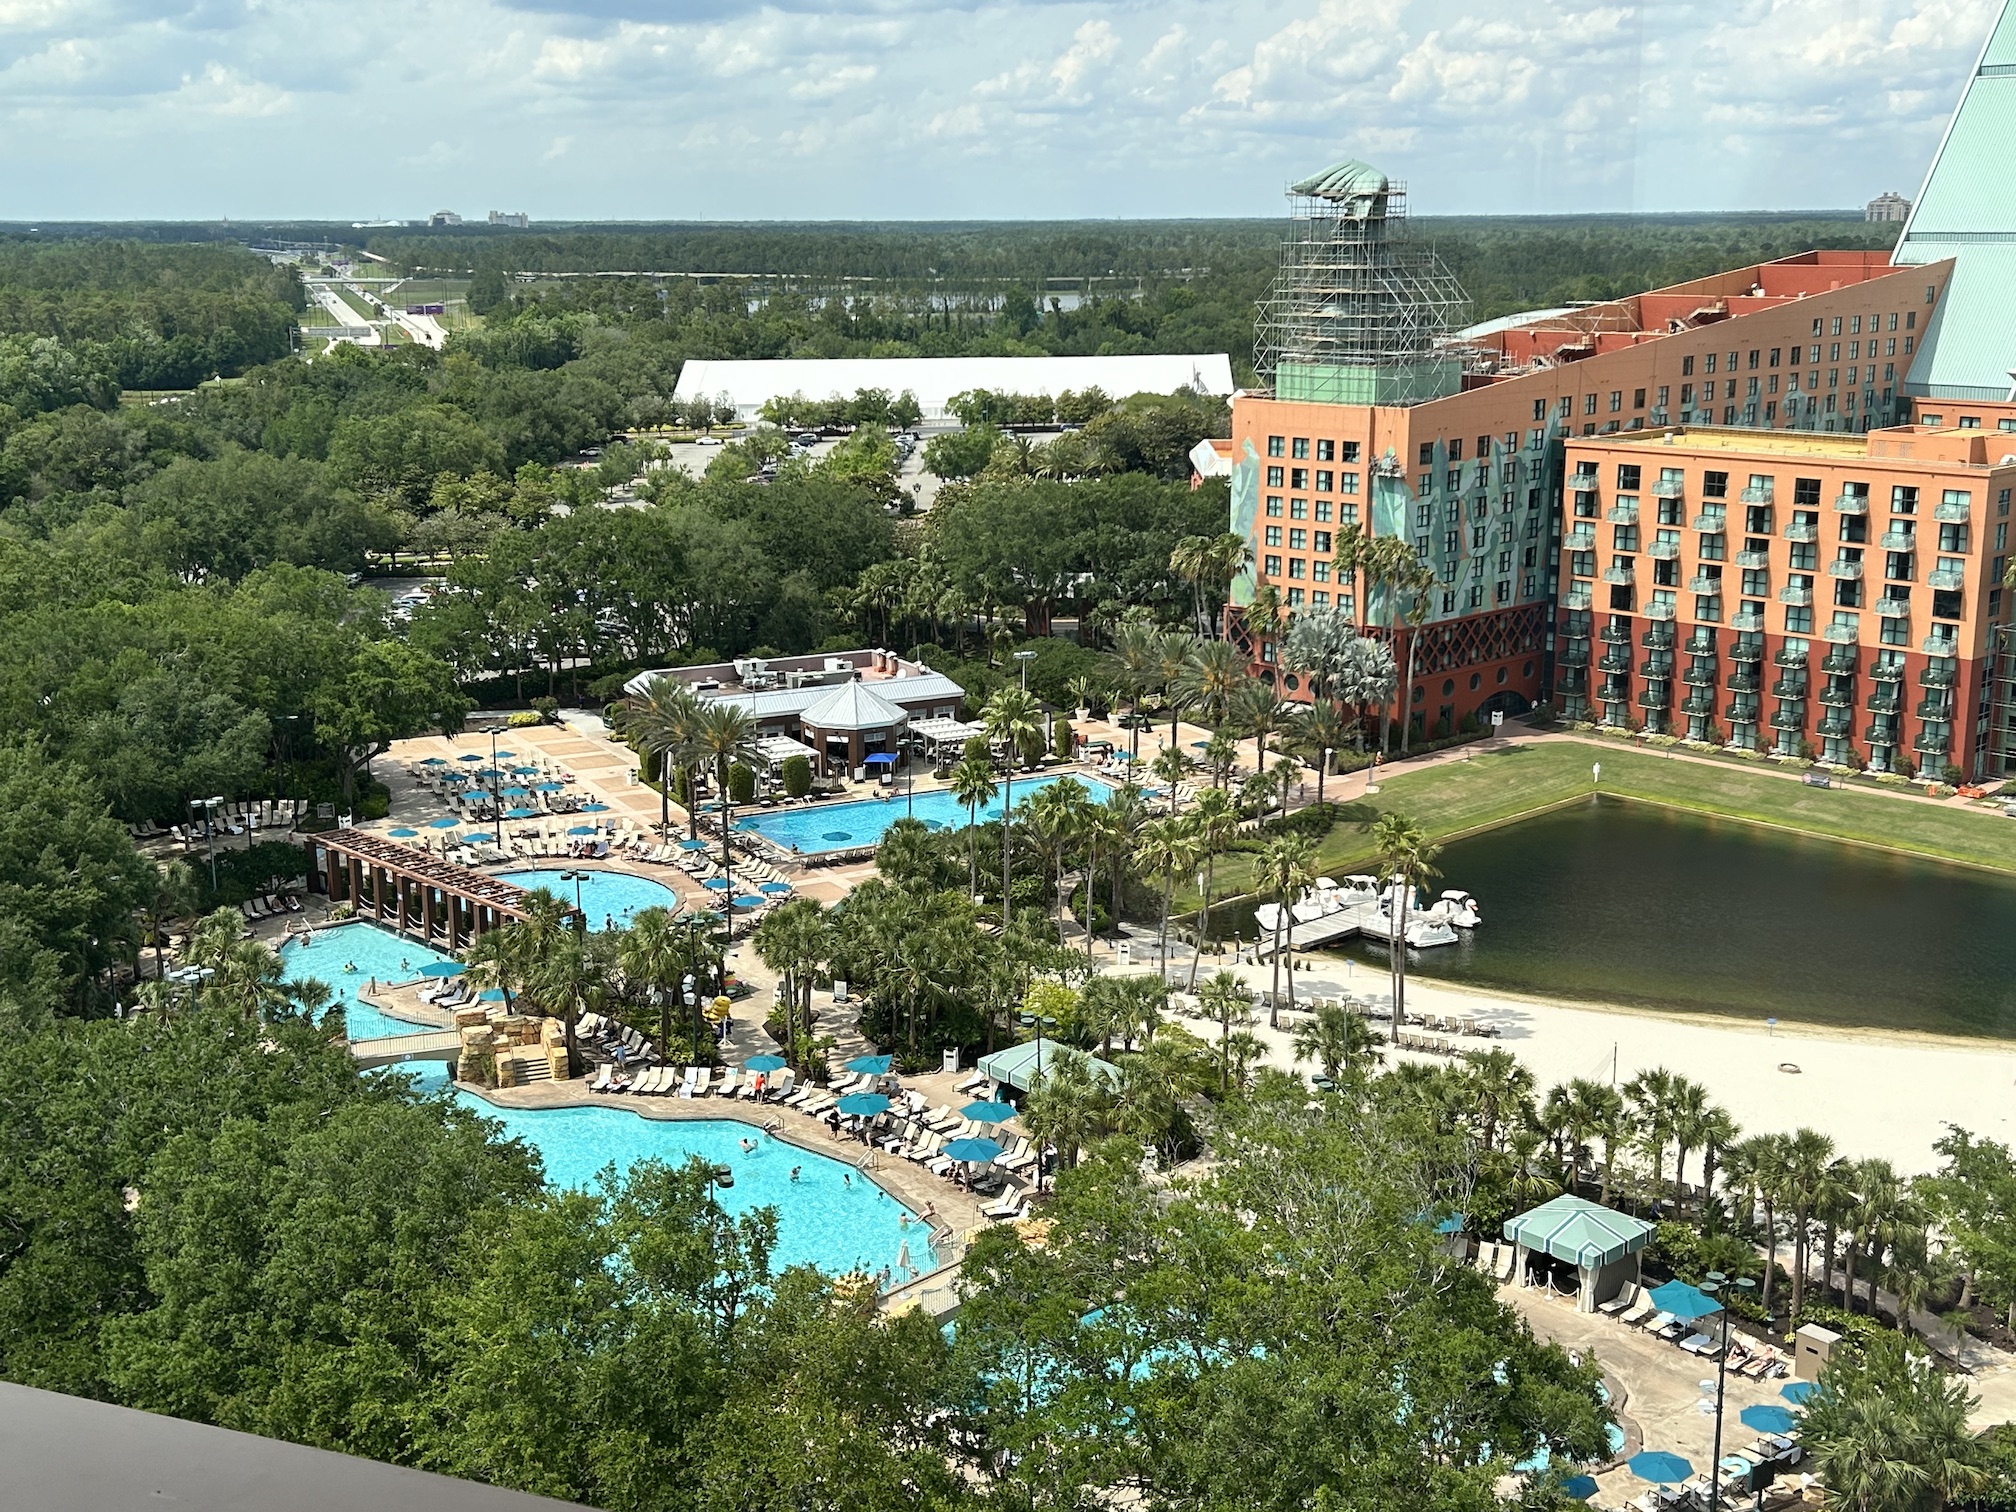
(1798, 595)
(1700, 702)
(1837, 722)
(1657, 638)
(1743, 711)
(1835, 696)
(1945, 579)
(1573, 654)
(1573, 679)
(1620, 572)
(1700, 643)
(1890, 608)
(1840, 662)
(1658, 610)
(1711, 523)
(1656, 666)
(1622, 514)
(1755, 561)
(1885, 701)
(1581, 538)
(1896, 538)
(1743, 682)
(1851, 504)
(1756, 496)
(1617, 661)
(1663, 551)
(1615, 635)
(1790, 718)
(1939, 645)
(1746, 651)
(1669, 488)
(1747, 619)
(1702, 583)
(1615, 691)
(1576, 598)
(1700, 676)
(1950, 514)
(1791, 685)
(1934, 705)
(1930, 744)
(1841, 568)
(1801, 530)
(1936, 677)
(1839, 635)
(1789, 656)
(1655, 695)
(1887, 672)
(1881, 734)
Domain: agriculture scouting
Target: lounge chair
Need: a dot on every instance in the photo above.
(928, 1150)
(1017, 1157)
(780, 1085)
(1007, 1210)
(1621, 1302)
(1508, 1261)
(601, 1083)
(1641, 1308)
(695, 1078)
(1487, 1257)
(731, 1079)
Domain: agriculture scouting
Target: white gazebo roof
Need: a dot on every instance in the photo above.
(944, 731)
(853, 706)
(777, 749)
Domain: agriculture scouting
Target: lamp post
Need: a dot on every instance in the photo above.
(496, 797)
(577, 877)
(1023, 658)
(209, 807)
(1713, 1286)
(1040, 1021)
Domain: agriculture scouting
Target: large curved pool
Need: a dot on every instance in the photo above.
(831, 1216)
(345, 957)
(609, 899)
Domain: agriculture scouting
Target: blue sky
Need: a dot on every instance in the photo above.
(912, 109)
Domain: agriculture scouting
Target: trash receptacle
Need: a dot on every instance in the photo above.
(949, 1063)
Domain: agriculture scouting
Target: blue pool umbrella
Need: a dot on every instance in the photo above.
(583, 829)
(774, 887)
(479, 838)
(521, 813)
(441, 969)
(692, 845)
(435, 761)
(402, 833)
(764, 1063)
(515, 792)
(1658, 1466)
(750, 900)
(469, 756)
(490, 995)
(524, 771)
(1797, 1391)
(506, 755)
(1581, 1487)
(863, 1104)
(871, 1065)
(718, 884)
(548, 787)
(880, 758)
(1683, 1301)
(594, 808)
(988, 1112)
(973, 1149)
(1769, 1418)
(446, 822)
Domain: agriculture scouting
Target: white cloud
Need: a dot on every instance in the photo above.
(1101, 107)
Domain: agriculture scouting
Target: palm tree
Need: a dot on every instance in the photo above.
(652, 955)
(1068, 1108)
(1284, 870)
(1216, 818)
(973, 787)
(173, 896)
(1367, 679)
(1169, 768)
(1318, 735)
(1688, 1117)
(249, 980)
(665, 720)
(1889, 1435)
(1168, 846)
(1256, 711)
(1414, 585)
(795, 941)
(1808, 1153)
(726, 734)
(568, 977)
(1169, 662)
(1135, 643)
(1221, 754)
(1191, 562)
(1651, 1096)
(1761, 1160)
(1339, 1041)
(1010, 715)
(1226, 999)
(1406, 857)
(1211, 678)
(1058, 814)
(1498, 1088)
(1596, 1111)
(1387, 562)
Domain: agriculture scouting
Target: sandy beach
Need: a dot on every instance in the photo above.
(1874, 1093)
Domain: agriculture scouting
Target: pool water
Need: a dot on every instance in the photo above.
(606, 897)
(375, 953)
(832, 1216)
(851, 826)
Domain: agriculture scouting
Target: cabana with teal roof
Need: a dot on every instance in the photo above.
(1603, 1244)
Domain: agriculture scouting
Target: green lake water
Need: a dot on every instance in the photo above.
(1622, 902)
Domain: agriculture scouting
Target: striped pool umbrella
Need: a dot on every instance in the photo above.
(871, 1065)
(864, 1105)
(988, 1112)
(974, 1149)
(448, 821)
(402, 833)
(764, 1063)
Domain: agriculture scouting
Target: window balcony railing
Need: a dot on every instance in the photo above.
(1581, 538)
(1709, 522)
(1618, 661)
(1791, 685)
(1836, 723)
(1799, 595)
(1835, 696)
(1701, 676)
(1615, 635)
(1615, 691)
(1742, 712)
(1939, 645)
(1747, 619)
(1930, 743)
(1700, 703)
(1881, 733)
(1945, 579)
(1656, 695)
(1934, 705)
(1950, 514)
(1754, 561)
(1702, 583)
(1622, 514)
(1840, 662)
(1801, 530)
(1788, 718)
(1754, 495)
(1573, 679)
(1896, 539)
(1700, 643)
(1890, 608)
(1663, 551)
(1842, 568)
(1656, 666)
(1657, 638)
(1839, 635)
(1789, 656)
(1743, 682)
(1669, 488)
(1851, 504)
(1747, 651)
(1885, 701)
(1936, 677)
(1887, 671)
(1573, 654)
(1621, 573)
(1658, 610)
(1577, 598)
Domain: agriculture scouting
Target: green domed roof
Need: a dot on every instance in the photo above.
(1346, 180)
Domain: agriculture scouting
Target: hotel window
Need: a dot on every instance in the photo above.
(1322, 540)
(1637, 398)
(1752, 389)
(1299, 448)
(1909, 343)
(1424, 485)
(1325, 480)
(1707, 606)
(1274, 506)
(1756, 582)
(1662, 396)
(1904, 500)
(1893, 320)
(1588, 404)
(1774, 356)
(1798, 621)
(1628, 476)
(1273, 535)
(1276, 478)
(1322, 509)
(1298, 477)
(1455, 448)
(1319, 598)
(1298, 540)
(1347, 482)
(1347, 514)
(1890, 347)
(1686, 367)
(1427, 453)
(1564, 407)
(1276, 445)
(1686, 393)
(1294, 595)
(1834, 326)
(1539, 409)
(1582, 564)
(1424, 516)
(1298, 509)
(1952, 537)
(1349, 452)
(1320, 571)
(1893, 632)
(2002, 499)
(1616, 400)
(1897, 567)
(1453, 479)
(1709, 365)
(1326, 451)
(1272, 566)
(1297, 567)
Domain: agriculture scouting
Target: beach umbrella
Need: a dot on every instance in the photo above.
(506, 755)
(594, 808)
(1769, 1418)
(469, 756)
(490, 995)
(402, 833)
(692, 845)
(871, 1065)
(1658, 1466)
(583, 829)
(1683, 1301)
(524, 771)
(764, 1063)
(717, 884)
(486, 772)
(1796, 1392)
(435, 761)
(1581, 1487)
(448, 821)
(988, 1112)
(548, 787)
(515, 792)
(521, 813)
(973, 1149)
(750, 900)
(441, 969)
(863, 1104)
(479, 838)
(774, 887)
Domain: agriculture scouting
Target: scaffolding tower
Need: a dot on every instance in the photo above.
(1359, 313)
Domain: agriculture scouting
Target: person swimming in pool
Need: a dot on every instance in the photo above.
(794, 1172)
(748, 1147)
(350, 967)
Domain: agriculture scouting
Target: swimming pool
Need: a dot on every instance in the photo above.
(376, 953)
(606, 897)
(832, 1216)
(849, 826)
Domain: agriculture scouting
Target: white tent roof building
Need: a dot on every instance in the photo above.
(749, 385)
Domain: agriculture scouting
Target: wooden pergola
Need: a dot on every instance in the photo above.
(447, 905)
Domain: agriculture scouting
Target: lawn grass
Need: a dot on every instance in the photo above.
(1458, 797)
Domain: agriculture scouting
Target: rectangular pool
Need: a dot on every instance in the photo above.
(824, 828)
